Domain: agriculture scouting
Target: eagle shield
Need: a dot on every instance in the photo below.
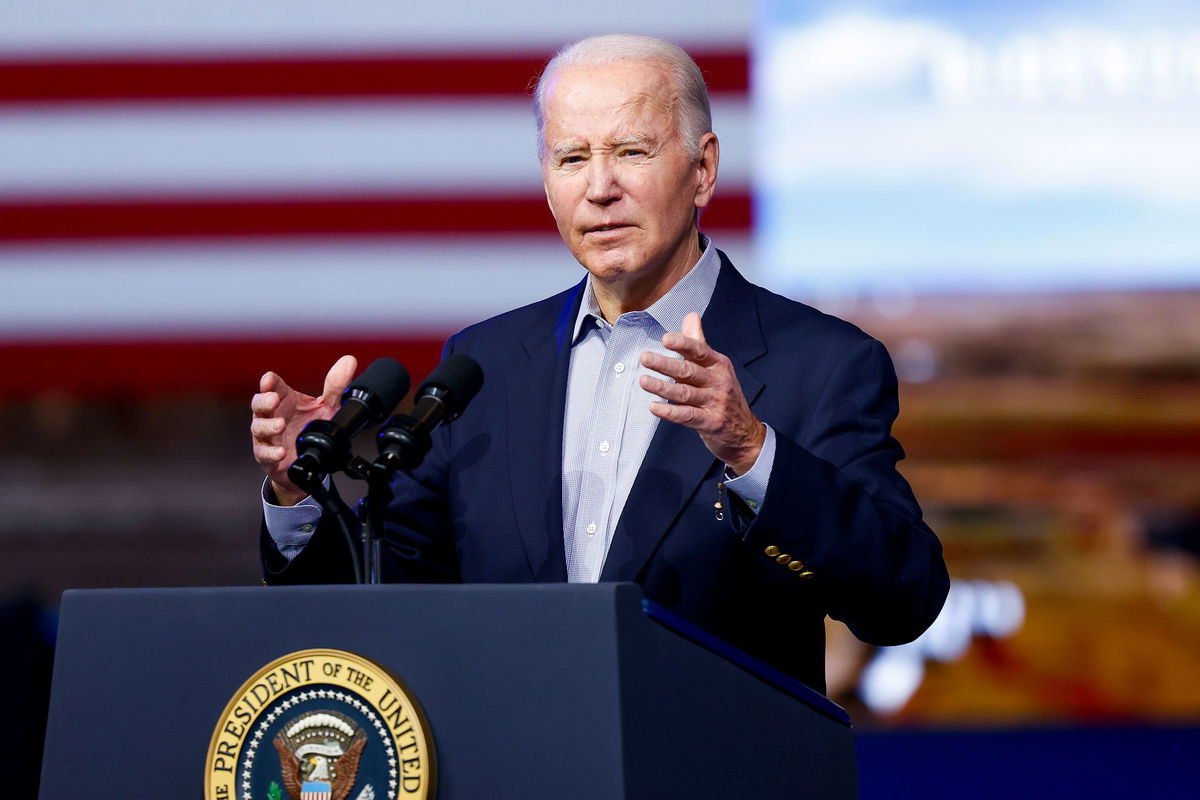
(319, 753)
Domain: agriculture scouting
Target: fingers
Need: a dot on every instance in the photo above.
(338, 378)
(674, 392)
(279, 412)
(688, 416)
(271, 390)
(702, 392)
(700, 408)
(266, 441)
(678, 369)
(273, 382)
(265, 429)
(690, 375)
(265, 404)
(692, 327)
(690, 343)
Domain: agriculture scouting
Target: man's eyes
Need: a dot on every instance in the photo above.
(579, 159)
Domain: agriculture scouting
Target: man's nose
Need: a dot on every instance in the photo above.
(603, 184)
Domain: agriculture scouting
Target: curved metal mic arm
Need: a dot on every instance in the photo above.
(313, 483)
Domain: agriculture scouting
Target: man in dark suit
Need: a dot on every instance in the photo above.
(664, 421)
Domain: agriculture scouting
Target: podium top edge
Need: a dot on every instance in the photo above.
(464, 588)
(622, 592)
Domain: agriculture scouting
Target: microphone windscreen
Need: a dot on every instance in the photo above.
(460, 376)
(387, 381)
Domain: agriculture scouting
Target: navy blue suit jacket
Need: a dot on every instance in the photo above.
(486, 504)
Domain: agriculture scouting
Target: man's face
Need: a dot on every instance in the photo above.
(620, 184)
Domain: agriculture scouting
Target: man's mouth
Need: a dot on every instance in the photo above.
(605, 228)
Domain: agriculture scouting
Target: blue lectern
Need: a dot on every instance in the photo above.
(539, 691)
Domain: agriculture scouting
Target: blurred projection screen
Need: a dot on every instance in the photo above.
(928, 146)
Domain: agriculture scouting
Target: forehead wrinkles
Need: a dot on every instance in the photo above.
(658, 105)
(610, 95)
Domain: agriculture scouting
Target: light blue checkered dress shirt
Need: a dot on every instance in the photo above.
(608, 424)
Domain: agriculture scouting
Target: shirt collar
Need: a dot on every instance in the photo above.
(692, 293)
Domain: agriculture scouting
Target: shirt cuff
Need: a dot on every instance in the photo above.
(751, 487)
(290, 527)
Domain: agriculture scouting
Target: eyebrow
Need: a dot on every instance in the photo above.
(567, 147)
(643, 139)
(638, 138)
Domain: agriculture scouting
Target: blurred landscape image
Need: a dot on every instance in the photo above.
(1054, 441)
(1003, 194)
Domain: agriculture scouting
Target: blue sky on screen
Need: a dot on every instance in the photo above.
(950, 146)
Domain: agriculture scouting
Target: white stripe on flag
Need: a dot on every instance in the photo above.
(294, 288)
(180, 25)
(280, 147)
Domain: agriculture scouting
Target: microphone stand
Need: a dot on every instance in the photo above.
(365, 554)
(370, 519)
(401, 447)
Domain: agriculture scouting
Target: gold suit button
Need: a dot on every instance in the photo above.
(796, 565)
(771, 550)
(808, 573)
(783, 558)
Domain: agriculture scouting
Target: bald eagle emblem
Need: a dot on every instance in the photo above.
(321, 724)
(318, 755)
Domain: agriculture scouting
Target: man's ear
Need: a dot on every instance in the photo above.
(706, 169)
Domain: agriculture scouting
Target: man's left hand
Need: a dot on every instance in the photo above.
(705, 396)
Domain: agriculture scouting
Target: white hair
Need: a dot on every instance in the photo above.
(691, 110)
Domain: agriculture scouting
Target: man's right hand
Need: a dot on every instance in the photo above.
(280, 413)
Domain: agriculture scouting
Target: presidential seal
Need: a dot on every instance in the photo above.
(320, 725)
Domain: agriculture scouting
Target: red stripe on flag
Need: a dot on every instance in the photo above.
(169, 216)
(171, 367)
(329, 76)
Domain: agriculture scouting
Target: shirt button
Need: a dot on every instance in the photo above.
(604, 447)
(618, 367)
(306, 528)
(591, 528)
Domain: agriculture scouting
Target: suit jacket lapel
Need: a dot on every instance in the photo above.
(536, 404)
(677, 461)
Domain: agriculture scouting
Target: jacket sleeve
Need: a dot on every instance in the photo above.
(836, 503)
(325, 559)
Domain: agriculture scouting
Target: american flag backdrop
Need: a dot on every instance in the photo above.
(192, 193)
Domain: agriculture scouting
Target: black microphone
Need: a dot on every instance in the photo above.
(324, 445)
(404, 440)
